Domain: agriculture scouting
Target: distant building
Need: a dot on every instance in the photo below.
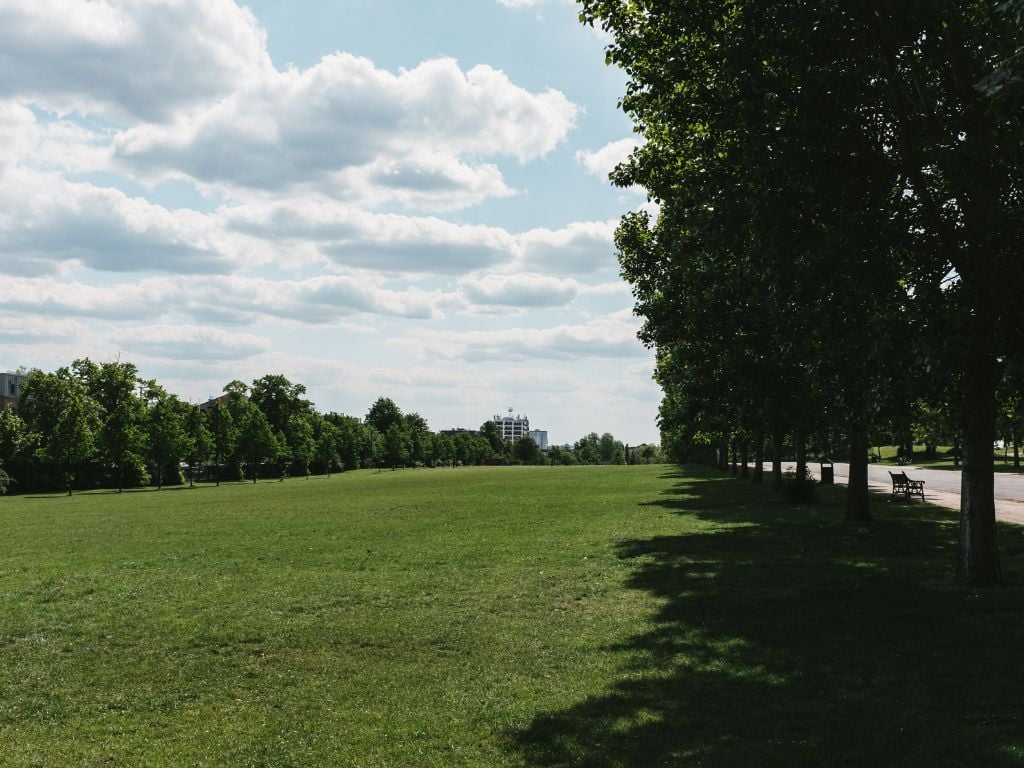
(460, 430)
(215, 401)
(540, 437)
(10, 388)
(512, 427)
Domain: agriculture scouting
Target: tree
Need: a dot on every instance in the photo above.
(397, 445)
(353, 440)
(752, 111)
(526, 450)
(492, 433)
(420, 438)
(279, 399)
(15, 442)
(57, 408)
(14, 436)
(201, 442)
(289, 415)
(122, 413)
(383, 414)
(223, 433)
(169, 439)
(300, 441)
(257, 442)
(326, 443)
(443, 449)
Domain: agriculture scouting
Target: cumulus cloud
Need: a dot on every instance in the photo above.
(141, 59)
(612, 336)
(46, 220)
(17, 330)
(188, 342)
(580, 248)
(358, 239)
(346, 120)
(601, 162)
(228, 299)
(526, 290)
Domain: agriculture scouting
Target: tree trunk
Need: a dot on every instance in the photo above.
(734, 468)
(978, 559)
(1016, 450)
(800, 449)
(759, 457)
(858, 504)
(120, 480)
(745, 460)
(777, 460)
(723, 456)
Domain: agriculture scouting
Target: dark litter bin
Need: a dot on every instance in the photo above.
(828, 475)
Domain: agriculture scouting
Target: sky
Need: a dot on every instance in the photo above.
(372, 197)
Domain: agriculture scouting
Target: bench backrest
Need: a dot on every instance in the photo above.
(899, 477)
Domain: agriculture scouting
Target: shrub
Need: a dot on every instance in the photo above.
(799, 489)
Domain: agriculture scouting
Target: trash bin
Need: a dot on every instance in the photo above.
(828, 475)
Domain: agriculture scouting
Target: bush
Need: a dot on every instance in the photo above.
(5, 482)
(799, 489)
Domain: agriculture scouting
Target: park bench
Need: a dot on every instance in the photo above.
(904, 486)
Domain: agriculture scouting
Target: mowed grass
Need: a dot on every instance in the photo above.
(605, 616)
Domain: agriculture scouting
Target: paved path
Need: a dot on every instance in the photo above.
(941, 486)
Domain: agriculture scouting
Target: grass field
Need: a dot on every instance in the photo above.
(1003, 458)
(597, 616)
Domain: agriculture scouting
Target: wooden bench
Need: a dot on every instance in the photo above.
(904, 486)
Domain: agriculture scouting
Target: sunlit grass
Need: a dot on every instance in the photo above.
(487, 617)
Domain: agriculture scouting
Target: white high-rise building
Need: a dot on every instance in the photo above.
(512, 427)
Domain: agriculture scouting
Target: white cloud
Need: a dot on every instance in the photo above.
(226, 299)
(528, 290)
(602, 162)
(144, 59)
(612, 336)
(16, 330)
(580, 248)
(46, 220)
(188, 342)
(344, 119)
(356, 239)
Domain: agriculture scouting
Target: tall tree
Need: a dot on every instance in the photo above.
(257, 442)
(383, 414)
(122, 414)
(223, 433)
(169, 438)
(200, 440)
(15, 441)
(58, 409)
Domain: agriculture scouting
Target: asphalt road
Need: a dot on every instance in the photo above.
(941, 486)
(1009, 487)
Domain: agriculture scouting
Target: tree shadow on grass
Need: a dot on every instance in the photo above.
(787, 638)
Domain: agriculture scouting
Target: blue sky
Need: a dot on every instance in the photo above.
(372, 197)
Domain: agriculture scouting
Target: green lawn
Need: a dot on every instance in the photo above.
(944, 458)
(593, 616)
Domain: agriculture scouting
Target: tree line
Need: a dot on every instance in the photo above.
(92, 425)
(836, 251)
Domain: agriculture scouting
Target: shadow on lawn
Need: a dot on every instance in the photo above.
(800, 641)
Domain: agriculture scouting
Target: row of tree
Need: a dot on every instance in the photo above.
(838, 244)
(101, 425)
